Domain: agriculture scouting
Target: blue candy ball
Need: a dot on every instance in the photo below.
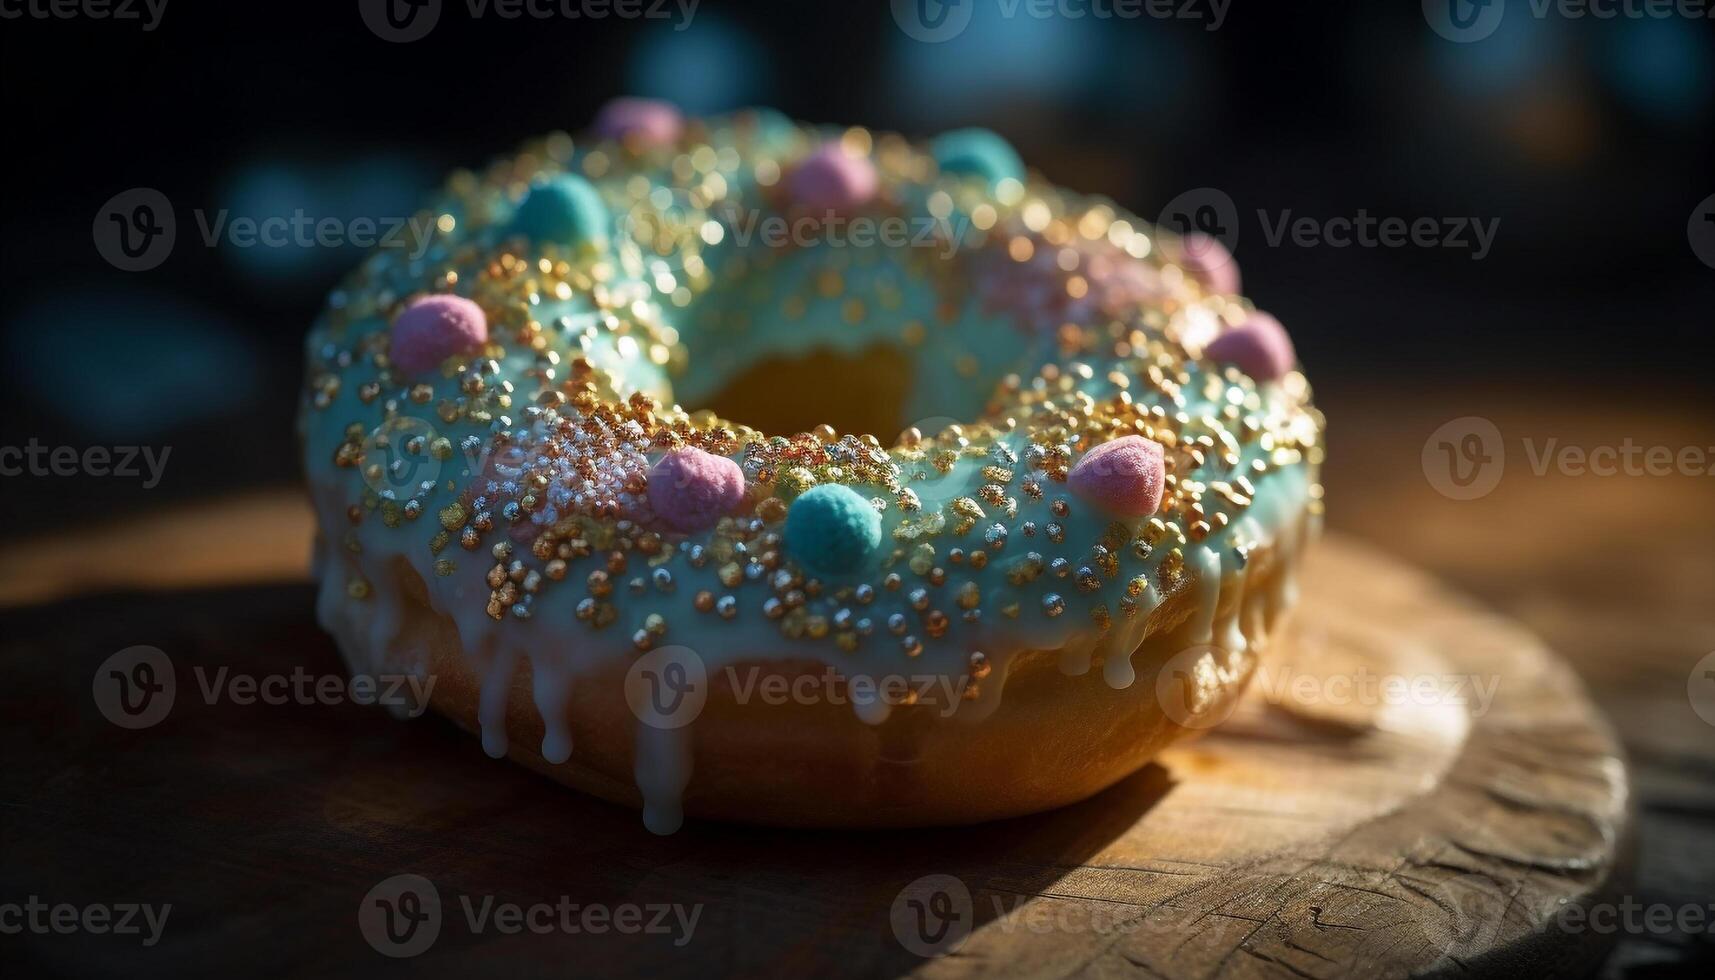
(977, 152)
(565, 210)
(831, 528)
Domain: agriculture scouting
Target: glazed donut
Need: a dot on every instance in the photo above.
(682, 613)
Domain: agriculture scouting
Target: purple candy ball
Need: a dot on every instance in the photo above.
(1209, 262)
(1123, 477)
(435, 328)
(690, 489)
(648, 122)
(1259, 347)
(831, 179)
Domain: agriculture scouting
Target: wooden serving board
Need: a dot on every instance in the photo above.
(1333, 826)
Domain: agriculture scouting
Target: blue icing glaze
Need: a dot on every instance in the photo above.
(979, 153)
(939, 388)
(832, 528)
(565, 209)
(1043, 583)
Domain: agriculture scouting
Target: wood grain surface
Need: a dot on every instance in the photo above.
(266, 826)
(1321, 835)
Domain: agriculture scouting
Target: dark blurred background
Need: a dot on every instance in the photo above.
(1585, 143)
(1587, 140)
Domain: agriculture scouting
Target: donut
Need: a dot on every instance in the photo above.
(532, 494)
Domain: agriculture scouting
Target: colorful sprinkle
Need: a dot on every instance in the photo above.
(831, 179)
(641, 122)
(1124, 477)
(690, 489)
(433, 329)
(1259, 347)
(565, 210)
(978, 153)
(832, 528)
(1209, 262)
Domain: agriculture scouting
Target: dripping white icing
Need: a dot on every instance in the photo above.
(663, 770)
(1208, 586)
(491, 705)
(551, 685)
(369, 633)
(1116, 662)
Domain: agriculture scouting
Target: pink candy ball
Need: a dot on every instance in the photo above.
(647, 122)
(1209, 262)
(1123, 477)
(831, 179)
(435, 328)
(1259, 347)
(690, 489)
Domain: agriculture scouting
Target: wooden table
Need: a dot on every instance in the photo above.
(1262, 849)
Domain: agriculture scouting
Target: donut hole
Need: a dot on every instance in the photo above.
(807, 343)
(863, 392)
